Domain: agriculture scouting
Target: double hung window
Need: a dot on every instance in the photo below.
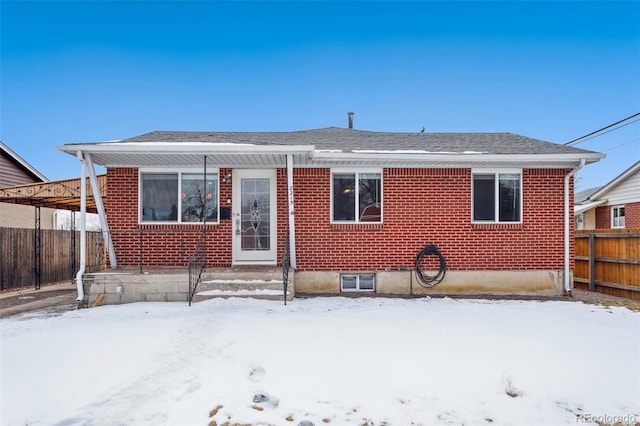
(180, 197)
(497, 196)
(356, 196)
(617, 217)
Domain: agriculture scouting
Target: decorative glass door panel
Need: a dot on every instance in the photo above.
(254, 216)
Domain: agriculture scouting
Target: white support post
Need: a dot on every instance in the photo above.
(83, 227)
(97, 196)
(292, 222)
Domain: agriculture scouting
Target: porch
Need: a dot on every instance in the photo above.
(128, 285)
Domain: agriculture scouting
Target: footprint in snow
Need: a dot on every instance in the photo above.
(257, 374)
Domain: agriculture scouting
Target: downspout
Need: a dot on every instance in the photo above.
(567, 224)
(83, 228)
(292, 222)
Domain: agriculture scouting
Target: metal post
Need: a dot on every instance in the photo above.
(37, 236)
(72, 228)
(204, 217)
(291, 205)
(97, 197)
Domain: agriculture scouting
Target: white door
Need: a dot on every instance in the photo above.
(254, 216)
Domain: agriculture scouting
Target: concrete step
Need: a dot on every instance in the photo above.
(251, 282)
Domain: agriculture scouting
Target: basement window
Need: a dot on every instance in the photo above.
(358, 282)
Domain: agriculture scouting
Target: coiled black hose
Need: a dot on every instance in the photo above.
(424, 279)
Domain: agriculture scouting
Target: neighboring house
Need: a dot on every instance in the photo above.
(614, 205)
(355, 207)
(16, 171)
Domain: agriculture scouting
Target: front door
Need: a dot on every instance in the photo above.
(254, 216)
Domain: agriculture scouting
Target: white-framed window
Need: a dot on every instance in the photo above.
(179, 196)
(496, 196)
(356, 196)
(617, 216)
(358, 282)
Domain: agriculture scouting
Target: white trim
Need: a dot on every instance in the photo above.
(581, 208)
(26, 165)
(291, 207)
(496, 172)
(616, 181)
(179, 171)
(613, 217)
(356, 171)
(185, 148)
(468, 158)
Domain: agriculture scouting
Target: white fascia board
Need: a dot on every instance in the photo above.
(23, 163)
(559, 160)
(581, 208)
(616, 181)
(184, 148)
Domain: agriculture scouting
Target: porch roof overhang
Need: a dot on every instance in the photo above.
(581, 208)
(59, 194)
(160, 154)
(163, 154)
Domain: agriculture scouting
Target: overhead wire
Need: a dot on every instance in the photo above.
(601, 131)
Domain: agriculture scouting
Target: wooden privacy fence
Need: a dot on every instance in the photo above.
(608, 262)
(29, 257)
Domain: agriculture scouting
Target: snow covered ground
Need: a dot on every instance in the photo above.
(331, 360)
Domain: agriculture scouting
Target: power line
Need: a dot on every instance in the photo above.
(622, 144)
(610, 130)
(574, 141)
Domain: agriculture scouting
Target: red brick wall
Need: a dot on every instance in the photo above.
(631, 213)
(162, 245)
(430, 206)
(421, 206)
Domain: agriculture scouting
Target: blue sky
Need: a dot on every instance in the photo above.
(93, 71)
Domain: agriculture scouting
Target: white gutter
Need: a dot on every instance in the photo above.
(470, 157)
(97, 196)
(292, 221)
(567, 224)
(185, 148)
(83, 227)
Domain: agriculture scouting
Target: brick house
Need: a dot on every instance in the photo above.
(615, 205)
(355, 207)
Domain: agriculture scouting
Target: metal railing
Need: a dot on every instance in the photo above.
(197, 264)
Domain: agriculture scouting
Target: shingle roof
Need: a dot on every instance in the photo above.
(349, 140)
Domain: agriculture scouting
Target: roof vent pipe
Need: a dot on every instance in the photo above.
(350, 114)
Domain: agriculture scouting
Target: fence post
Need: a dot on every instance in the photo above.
(592, 262)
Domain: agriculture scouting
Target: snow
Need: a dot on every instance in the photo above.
(241, 281)
(259, 291)
(344, 360)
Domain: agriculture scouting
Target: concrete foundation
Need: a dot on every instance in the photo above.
(404, 282)
(169, 285)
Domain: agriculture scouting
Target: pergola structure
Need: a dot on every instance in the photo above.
(59, 194)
